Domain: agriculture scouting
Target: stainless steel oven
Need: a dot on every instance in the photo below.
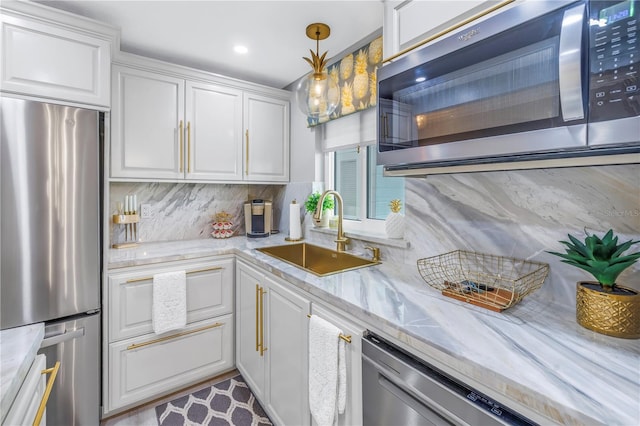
(538, 80)
(399, 389)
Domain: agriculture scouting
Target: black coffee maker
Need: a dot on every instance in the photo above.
(257, 218)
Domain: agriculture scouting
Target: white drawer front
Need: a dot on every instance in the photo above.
(209, 294)
(139, 372)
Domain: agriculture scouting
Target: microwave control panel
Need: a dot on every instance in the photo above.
(614, 56)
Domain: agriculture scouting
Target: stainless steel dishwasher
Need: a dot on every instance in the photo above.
(399, 389)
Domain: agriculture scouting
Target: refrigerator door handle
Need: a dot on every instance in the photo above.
(62, 337)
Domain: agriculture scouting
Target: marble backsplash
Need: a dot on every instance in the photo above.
(184, 211)
(523, 213)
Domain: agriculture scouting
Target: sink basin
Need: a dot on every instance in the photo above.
(317, 260)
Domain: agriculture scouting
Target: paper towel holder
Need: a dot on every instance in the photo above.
(291, 219)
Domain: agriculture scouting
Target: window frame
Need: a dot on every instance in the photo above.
(364, 225)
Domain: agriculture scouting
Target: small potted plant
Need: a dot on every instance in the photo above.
(603, 305)
(327, 205)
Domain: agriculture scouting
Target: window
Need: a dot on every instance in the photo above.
(365, 191)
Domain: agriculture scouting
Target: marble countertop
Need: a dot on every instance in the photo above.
(18, 349)
(533, 356)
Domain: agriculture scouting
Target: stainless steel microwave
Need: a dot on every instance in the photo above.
(539, 80)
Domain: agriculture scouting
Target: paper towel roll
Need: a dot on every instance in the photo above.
(295, 231)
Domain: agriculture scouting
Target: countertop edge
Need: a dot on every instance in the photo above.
(28, 339)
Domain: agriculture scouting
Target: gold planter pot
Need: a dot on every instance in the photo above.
(615, 315)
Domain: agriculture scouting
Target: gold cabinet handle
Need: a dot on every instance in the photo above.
(257, 318)
(262, 348)
(188, 147)
(181, 131)
(45, 398)
(173, 336)
(246, 144)
(346, 338)
(195, 271)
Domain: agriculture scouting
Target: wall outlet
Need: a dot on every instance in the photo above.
(146, 211)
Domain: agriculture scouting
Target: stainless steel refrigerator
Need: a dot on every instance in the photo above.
(50, 244)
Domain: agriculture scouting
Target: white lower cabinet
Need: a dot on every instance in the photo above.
(272, 344)
(143, 368)
(25, 406)
(142, 365)
(353, 411)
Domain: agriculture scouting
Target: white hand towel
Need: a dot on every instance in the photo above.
(342, 376)
(169, 309)
(327, 371)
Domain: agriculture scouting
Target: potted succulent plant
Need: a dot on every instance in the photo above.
(604, 306)
(312, 203)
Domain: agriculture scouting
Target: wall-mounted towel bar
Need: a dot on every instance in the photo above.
(215, 268)
(342, 336)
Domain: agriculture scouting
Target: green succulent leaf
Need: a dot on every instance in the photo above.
(601, 257)
(583, 249)
(624, 247)
(570, 255)
(631, 257)
(581, 266)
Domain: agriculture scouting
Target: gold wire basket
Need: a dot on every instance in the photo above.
(492, 282)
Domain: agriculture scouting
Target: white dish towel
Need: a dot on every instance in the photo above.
(327, 372)
(169, 310)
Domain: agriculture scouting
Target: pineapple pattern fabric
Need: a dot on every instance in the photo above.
(355, 75)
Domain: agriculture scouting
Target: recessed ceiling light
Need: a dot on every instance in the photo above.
(240, 49)
(420, 79)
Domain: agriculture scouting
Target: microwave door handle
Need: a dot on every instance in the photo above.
(569, 64)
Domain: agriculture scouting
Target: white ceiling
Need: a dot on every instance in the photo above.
(202, 34)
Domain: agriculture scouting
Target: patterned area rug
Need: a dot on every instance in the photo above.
(229, 402)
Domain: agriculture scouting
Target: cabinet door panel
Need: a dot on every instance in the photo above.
(287, 350)
(147, 110)
(267, 142)
(215, 144)
(353, 411)
(140, 373)
(49, 61)
(209, 294)
(248, 359)
(416, 20)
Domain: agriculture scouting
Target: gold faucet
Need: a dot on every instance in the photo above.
(375, 253)
(341, 240)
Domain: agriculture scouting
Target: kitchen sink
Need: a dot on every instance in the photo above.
(317, 260)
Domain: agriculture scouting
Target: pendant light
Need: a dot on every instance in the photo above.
(317, 93)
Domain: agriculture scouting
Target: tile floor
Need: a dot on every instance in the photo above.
(145, 415)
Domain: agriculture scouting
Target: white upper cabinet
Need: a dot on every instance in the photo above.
(266, 138)
(54, 56)
(167, 126)
(409, 22)
(147, 115)
(214, 132)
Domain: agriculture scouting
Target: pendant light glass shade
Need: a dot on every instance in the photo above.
(317, 93)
